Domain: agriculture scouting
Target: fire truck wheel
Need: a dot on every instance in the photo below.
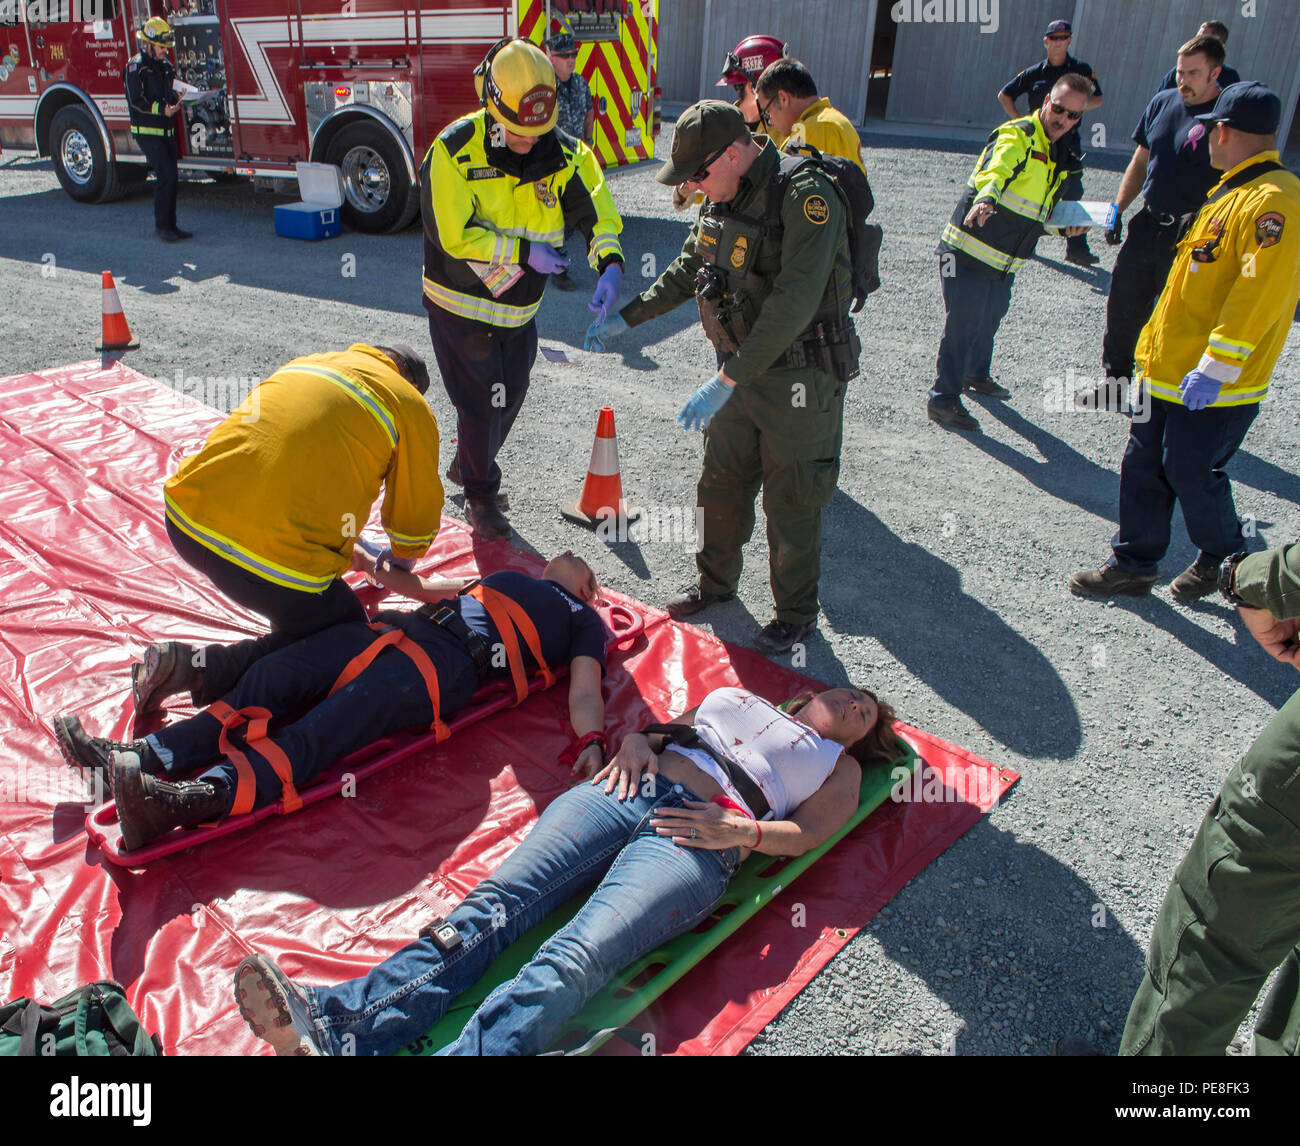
(378, 194)
(83, 167)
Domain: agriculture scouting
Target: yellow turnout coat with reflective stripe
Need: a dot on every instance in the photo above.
(482, 206)
(1230, 298)
(284, 485)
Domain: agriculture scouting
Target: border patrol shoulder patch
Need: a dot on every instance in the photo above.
(816, 209)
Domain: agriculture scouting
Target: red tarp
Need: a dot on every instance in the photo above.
(87, 578)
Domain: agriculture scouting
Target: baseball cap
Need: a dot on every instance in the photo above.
(1249, 106)
(561, 42)
(1056, 27)
(704, 129)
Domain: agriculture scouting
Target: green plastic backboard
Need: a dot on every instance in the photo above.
(637, 985)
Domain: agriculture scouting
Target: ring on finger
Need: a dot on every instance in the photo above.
(692, 833)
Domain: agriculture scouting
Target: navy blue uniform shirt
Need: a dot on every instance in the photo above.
(1179, 175)
(566, 627)
(1038, 80)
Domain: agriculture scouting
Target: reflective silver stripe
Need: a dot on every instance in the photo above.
(368, 400)
(1225, 398)
(606, 244)
(990, 256)
(278, 574)
(407, 539)
(1020, 205)
(479, 309)
(1231, 348)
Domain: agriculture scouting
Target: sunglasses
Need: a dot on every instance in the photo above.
(703, 173)
(1061, 36)
(565, 55)
(1061, 109)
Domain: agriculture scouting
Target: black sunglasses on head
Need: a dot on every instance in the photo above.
(1061, 109)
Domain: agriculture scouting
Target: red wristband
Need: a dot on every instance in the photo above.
(570, 755)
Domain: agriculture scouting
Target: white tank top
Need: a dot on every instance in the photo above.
(786, 759)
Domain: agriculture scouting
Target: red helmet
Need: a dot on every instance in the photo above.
(746, 61)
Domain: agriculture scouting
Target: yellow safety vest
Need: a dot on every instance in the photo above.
(478, 216)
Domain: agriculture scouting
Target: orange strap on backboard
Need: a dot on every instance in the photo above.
(395, 638)
(258, 721)
(508, 616)
(362, 661)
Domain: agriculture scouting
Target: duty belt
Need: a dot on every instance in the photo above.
(815, 351)
(447, 617)
(1163, 220)
(685, 736)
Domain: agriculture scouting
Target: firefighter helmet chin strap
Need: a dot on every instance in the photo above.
(483, 73)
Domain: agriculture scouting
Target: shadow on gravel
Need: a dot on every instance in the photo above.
(1064, 472)
(1242, 659)
(876, 585)
(1095, 277)
(1031, 934)
(1254, 471)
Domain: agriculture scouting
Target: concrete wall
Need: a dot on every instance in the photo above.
(949, 73)
(833, 37)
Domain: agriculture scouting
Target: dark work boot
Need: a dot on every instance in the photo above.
(693, 600)
(780, 637)
(168, 668)
(148, 808)
(487, 520)
(91, 756)
(1198, 580)
(1111, 581)
(453, 476)
(1077, 252)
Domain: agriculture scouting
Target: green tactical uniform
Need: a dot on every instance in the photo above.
(1232, 913)
(781, 326)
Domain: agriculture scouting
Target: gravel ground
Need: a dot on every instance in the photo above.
(944, 568)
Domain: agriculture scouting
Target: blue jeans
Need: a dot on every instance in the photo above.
(647, 891)
(975, 299)
(1179, 455)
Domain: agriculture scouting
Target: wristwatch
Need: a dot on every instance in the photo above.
(1226, 570)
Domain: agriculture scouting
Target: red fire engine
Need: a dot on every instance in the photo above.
(362, 84)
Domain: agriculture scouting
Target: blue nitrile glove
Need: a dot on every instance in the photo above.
(704, 403)
(546, 260)
(602, 302)
(602, 330)
(1199, 390)
(1114, 226)
(386, 554)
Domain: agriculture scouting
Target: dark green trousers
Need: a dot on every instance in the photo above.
(1231, 915)
(781, 433)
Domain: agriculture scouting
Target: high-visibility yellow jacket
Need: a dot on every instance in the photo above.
(1021, 172)
(284, 485)
(483, 205)
(826, 129)
(1227, 310)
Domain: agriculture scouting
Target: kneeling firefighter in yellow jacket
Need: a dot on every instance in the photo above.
(271, 506)
(499, 188)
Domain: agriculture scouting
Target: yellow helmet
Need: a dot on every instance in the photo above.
(157, 31)
(517, 85)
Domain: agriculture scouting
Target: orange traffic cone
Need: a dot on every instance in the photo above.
(117, 335)
(602, 492)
